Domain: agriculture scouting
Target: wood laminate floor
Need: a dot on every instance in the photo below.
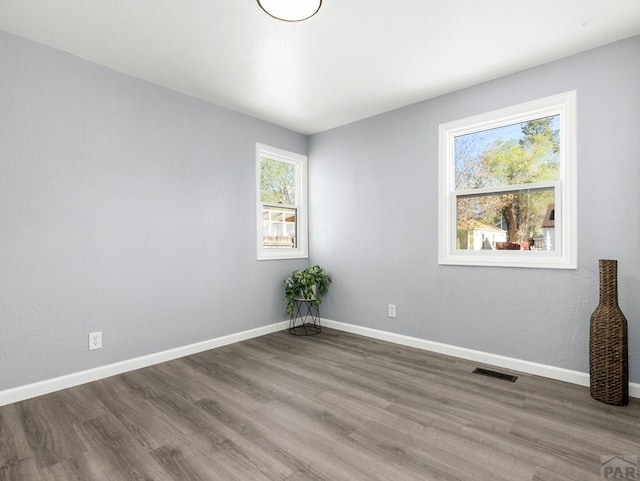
(331, 407)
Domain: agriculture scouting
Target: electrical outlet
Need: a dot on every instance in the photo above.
(392, 311)
(95, 340)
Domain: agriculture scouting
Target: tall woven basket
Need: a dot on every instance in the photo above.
(608, 352)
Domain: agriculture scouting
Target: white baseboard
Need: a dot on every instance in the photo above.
(544, 370)
(28, 391)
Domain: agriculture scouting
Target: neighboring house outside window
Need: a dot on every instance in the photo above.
(281, 214)
(474, 235)
(508, 187)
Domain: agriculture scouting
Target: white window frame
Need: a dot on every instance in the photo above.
(301, 251)
(565, 255)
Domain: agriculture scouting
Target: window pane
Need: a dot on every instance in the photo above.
(513, 154)
(277, 181)
(278, 227)
(515, 220)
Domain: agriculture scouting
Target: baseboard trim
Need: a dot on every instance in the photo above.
(28, 391)
(543, 370)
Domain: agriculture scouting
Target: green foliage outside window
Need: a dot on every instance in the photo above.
(511, 158)
(277, 182)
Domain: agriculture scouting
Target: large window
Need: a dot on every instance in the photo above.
(508, 187)
(281, 179)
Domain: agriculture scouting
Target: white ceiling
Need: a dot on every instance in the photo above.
(354, 59)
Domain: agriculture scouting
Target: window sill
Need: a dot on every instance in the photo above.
(274, 257)
(526, 259)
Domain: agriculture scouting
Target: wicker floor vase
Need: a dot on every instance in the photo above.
(608, 351)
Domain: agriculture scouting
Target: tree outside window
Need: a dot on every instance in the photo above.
(522, 153)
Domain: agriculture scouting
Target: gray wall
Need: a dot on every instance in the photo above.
(129, 208)
(125, 208)
(374, 223)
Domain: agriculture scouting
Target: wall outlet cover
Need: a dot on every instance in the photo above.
(95, 340)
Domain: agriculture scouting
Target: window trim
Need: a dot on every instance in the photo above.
(566, 255)
(301, 251)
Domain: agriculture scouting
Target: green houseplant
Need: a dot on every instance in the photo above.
(310, 283)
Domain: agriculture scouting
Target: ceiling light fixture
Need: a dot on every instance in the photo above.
(291, 10)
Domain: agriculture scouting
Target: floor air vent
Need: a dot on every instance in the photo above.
(495, 374)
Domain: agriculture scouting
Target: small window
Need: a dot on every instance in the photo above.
(282, 203)
(507, 187)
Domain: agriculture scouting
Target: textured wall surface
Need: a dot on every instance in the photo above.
(374, 219)
(125, 208)
(128, 208)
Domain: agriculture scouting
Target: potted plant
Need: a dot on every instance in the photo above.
(310, 283)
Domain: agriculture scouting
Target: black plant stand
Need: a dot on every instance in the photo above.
(305, 320)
